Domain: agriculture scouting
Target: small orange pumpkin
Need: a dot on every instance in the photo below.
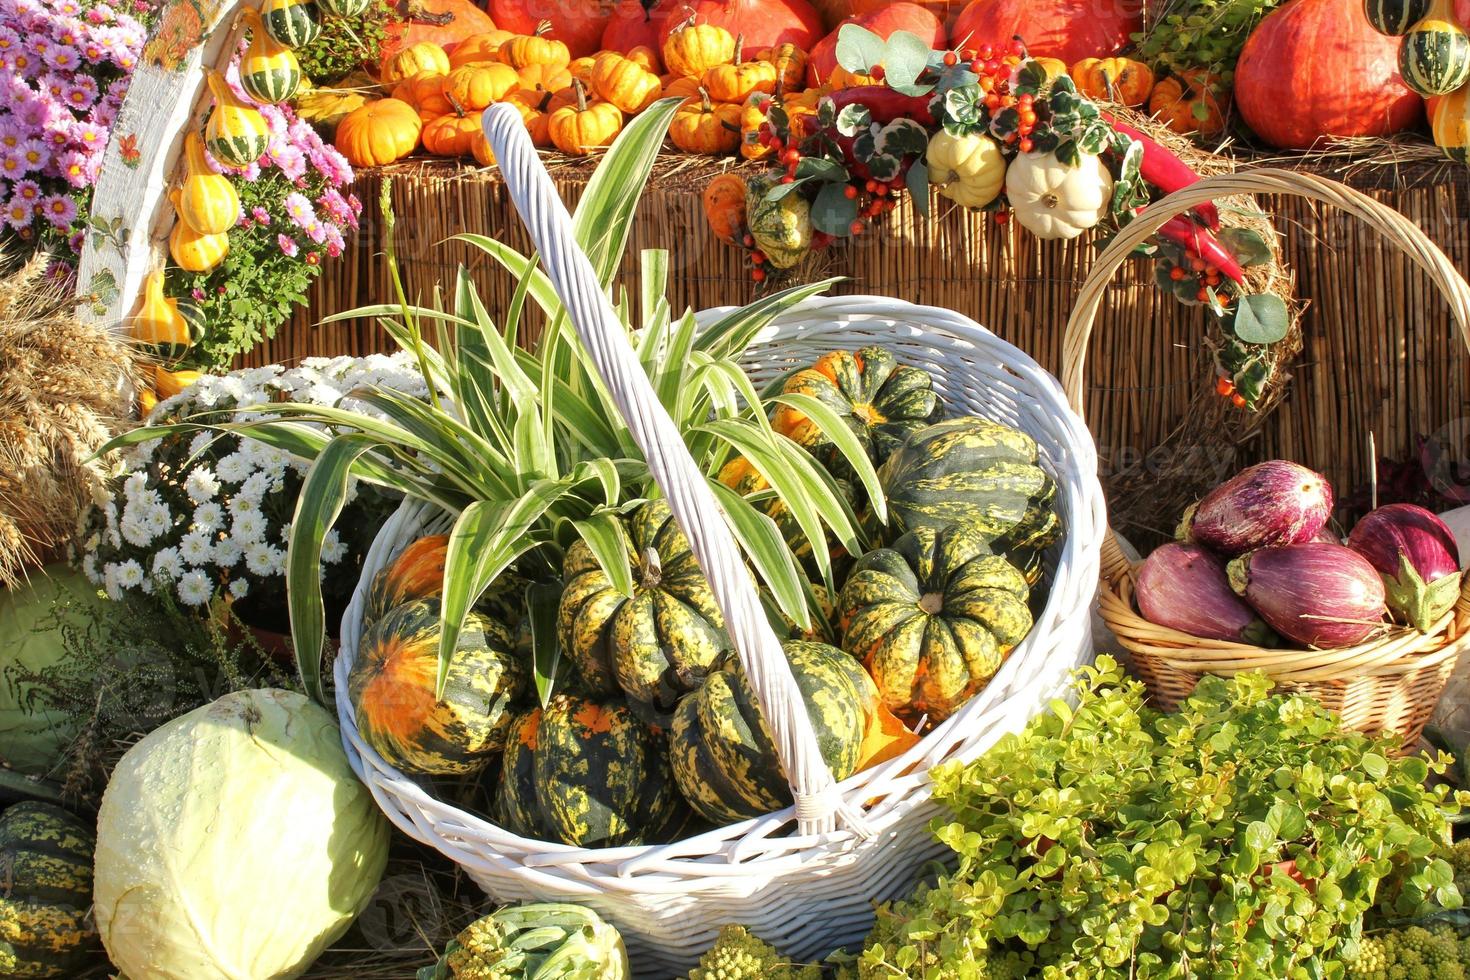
(378, 133)
(452, 134)
(1054, 67)
(724, 209)
(475, 86)
(842, 78)
(422, 85)
(581, 68)
(790, 64)
(479, 47)
(681, 87)
(693, 49)
(624, 83)
(534, 49)
(646, 58)
(707, 127)
(738, 81)
(534, 107)
(547, 78)
(423, 56)
(577, 128)
(1188, 104)
(1120, 80)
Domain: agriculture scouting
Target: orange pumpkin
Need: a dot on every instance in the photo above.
(1188, 104)
(479, 47)
(448, 23)
(681, 87)
(806, 99)
(434, 103)
(535, 109)
(646, 58)
(378, 133)
(1120, 80)
(842, 78)
(790, 64)
(480, 150)
(724, 209)
(1054, 67)
(534, 49)
(452, 134)
(695, 48)
(624, 83)
(707, 127)
(547, 78)
(473, 87)
(578, 128)
(581, 69)
(740, 80)
(752, 117)
(421, 86)
(423, 56)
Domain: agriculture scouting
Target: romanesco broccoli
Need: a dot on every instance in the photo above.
(738, 955)
(549, 941)
(1411, 953)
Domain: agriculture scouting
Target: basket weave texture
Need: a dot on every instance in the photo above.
(1389, 683)
(810, 888)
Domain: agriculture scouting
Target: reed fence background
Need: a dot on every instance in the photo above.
(1380, 355)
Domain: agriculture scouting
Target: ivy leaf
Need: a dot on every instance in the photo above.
(884, 167)
(1247, 246)
(962, 108)
(1067, 153)
(1261, 319)
(820, 168)
(858, 49)
(853, 119)
(833, 212)
(902, 137)
(917, 182)
(826, 113)
(905, 57)
(1005, 123)
(865, 146)
(1031, 79)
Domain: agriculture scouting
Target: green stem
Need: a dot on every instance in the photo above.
(416, 337)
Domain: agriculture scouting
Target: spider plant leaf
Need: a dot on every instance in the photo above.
(520, 267)
(608, 542)
(768, 552)
(673, 366)
(732, 333)
(835, 428)
(542, 602)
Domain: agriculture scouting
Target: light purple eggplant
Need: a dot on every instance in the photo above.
(1318, 594)
(1184, 587)
(1417, 556)
(1268, 505)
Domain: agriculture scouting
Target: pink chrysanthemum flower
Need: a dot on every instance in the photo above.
(59, 209)
(287, 245)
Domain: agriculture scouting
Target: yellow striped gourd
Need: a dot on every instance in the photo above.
(236, 133)
(207, 201)
(1452, 125)
(158, 324)
(1434, 57)
(269, 72)
(294, 23)
(192, 251)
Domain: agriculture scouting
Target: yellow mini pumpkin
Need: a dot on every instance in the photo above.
(379, 133)
(207, 200)
(422, 56)
(694, 49)
(581, 126)
(479, 47)
(646, 58)
(581, 68)
(740, 80)
(1120, 80)
(707, 127)
(192, 251)
(624, 83)
(534, 49)
(969, 170)
(473, 87)
(681, 87)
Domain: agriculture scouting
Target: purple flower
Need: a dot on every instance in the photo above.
(89, 135)
(24, 63)
(27, 191)
(334, 206)
(291, 161)
(37, 114)
(13, 164)
(68, 31)
(288, 245)
(75, 168)
(18, 214)
(53, 85)
(59, 209)
(81, 93)
(9, 40)
(335, 244)
(316, 231)
(299, 209)
(76, 241)
(36, 154)
(261, 215)
(198, 294)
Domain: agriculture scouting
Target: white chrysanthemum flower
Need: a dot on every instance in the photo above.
(315, 363)
(350, 494)
(194, 588)
(130, 574)
(136, 532)
(234, 468)
(232, 387)
(260, 558)
(201, 484)
(159, 518)
(89, 568)
(227, 552)
(253, 396)
(206, 391)
(249, 527)
(258, 377)
(134, 485)
(166, 564)
(200, 443)
(239, 587)
(256, 487)
(333, 550)
(109, 581)
(208, 517)
(243, 504)
(272, 458)
(196, 548)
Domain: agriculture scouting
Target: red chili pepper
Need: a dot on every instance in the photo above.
(1185, 231)
(884, 104)
(1165, 170)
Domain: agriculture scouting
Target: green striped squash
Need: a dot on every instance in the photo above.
(294, 23)
(881, 401)
(392, 685)
(933, 618)
(344, 8)
(269, 72)
(655, 644)
(588, 772)
(972, 469)
(237, 134)
(1452, 125)
(724, 758)
(1395, 17)
(1434, 57)
(45, 892)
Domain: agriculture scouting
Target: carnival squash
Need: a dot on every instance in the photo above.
(423, 56)
(581, 126)
(192, 251)
(933, 617)
(576, 23)
(1120, 80)
(969, 170)
(781, 229)
(763, 23)
(975, 470)
(416, 573)
(1367, 97)
(391, 687)
(884, 21)
(1434, 56)
(707, 127)
(207, 201)
(724, 207)
(1053, 200)
(447, 23)
(1064, 29)
(1452, 125)
(269, 72)
(484, 46)
(538, 48)
(588, 772)
(379, 133)
(1395, 17)
(294, 23)
(1190, 103)
(624, 83)
(656, 643)
(45, 892)
(741, 79)
(881, 401)
(473, 87)
(724, 758)
(343, 8)
(236, 133)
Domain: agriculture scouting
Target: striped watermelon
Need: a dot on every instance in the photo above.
(45, 892)
(724, 759)
(294, 23)
(1434, 57)
(392, 683)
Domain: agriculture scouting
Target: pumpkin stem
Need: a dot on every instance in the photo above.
(581, 94)
(543, 28)
(411, 10)
(708, 106)
(932, 603)
(653, 569)
(739, 48)
(455, 104)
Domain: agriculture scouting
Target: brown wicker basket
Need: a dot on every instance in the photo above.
(1388, 684)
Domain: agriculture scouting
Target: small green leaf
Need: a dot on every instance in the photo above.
(1261, 318)
(1248, 247)
(833, 211)
(858, 49)
(542, 602)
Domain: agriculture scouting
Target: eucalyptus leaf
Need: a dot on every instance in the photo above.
(905, 56)
(833, 211)
(917, 182)
(1248, 247)
(858, 49)
(1261, 318)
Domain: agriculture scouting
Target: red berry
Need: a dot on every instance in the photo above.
(1028, 117)
(1018, 47)
(1026, 145)
(987, 51)
(820, 239)
(856, 227)
(1212, 270)
(992, 67)
(882, 190)
(1238, 400)
(1001, 217)
(951, 59)
(788, 179)
(1177, 273)
(1198, 265)
(759, 275)
(1225, 387)
(758, 257)
(850, 192)
(871, 186)
(747, 241)
(969, 54)
(976, 65)
(877, 72)
(1027, 99)
(1203, 295)
(792, 157)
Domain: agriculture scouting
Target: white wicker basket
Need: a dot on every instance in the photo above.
(807, 888)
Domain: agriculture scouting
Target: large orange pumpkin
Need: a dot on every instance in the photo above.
(479, 47)
(834, 12)
(445, 22)
(577, 23)
(1462, 13)
(1067, 29)
(378, 133)
(763, 23)
(884, 21)
(1286, 95)
(634, 26)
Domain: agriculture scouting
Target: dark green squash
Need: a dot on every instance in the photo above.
(1434, 57)
(46, 925)
(933, 618)
(724, 758)
(1395, 17)
(391, 686)
(655, 644)
(588, 772)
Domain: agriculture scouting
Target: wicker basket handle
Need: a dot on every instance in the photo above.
(1391, 224)
(818, 803)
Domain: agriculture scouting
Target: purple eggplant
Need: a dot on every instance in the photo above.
(1318, 594)
(1417, 556)
(1265, 506)
(1184, 587)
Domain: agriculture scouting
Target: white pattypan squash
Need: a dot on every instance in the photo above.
(1053, 200)
(969, 170)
